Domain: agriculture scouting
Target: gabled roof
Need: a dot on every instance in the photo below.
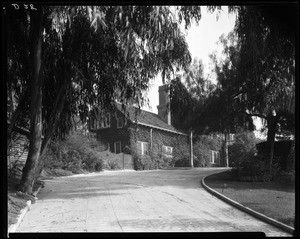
(148, 119)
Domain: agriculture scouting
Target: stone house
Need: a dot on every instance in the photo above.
(144, 133)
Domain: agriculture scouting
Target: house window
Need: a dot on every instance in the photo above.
(215, 157)
(167, 151)
(105, 120)
(142, 148)
(230, 137)
(120, 122)
(117, 147)
(102, 120)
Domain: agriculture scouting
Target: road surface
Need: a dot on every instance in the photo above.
(137, 201)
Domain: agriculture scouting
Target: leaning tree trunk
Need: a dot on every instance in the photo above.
(28, 176)
(56, 112)
(64, 75)
(272, 122)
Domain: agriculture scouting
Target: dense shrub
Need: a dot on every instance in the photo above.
(254, 168)
(202, 149)
(74, 155)
(143, 162)
(247, 164)
(90, 160)
(113, 164)
(287, 177)
(243, 147)
(290, 164)
(202, 153)
(53, 157)
(281, 151)
(181, 155)
(183, 162)
(72, 161)
(164, 161)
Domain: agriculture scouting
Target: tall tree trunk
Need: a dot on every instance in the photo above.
(28, 176)
(272, 128)
(60, 99)
(55, 114)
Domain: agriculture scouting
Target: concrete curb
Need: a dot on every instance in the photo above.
(12, 228)
(248, 210)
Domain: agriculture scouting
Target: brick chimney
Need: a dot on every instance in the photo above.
(163, 108)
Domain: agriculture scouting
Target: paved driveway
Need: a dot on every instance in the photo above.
(130, 201)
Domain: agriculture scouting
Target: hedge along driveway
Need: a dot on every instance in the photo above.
(143, 201)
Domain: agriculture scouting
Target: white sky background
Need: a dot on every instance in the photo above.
(202, 41)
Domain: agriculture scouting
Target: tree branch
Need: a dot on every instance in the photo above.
(253, 114)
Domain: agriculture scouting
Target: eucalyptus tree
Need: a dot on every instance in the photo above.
(257, 78)
(81, 56)
(197, 84)
(258, 75)
(182, 104)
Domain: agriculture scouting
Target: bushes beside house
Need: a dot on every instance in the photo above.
(284, 157)
(254, 168)
(74, 155)
(202, 149)
(249, 160)
(143, 162)
(243, 148)
(243, 158)
(152, 161)
(281, 152)
(181, 155)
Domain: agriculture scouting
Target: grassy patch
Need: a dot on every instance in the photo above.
(273, 199)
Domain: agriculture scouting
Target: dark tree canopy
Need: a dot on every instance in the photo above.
(258, 75)
(107, 53)
(64, 60)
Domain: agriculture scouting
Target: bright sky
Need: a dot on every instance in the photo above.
(202, 41)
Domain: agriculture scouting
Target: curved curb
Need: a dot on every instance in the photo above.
(12, 228)
(248, 210)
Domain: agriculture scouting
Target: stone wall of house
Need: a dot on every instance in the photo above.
(18, 149)
(159, 138)
(108, 136)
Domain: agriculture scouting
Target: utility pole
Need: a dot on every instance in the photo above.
(226, 149)
(191, 149)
